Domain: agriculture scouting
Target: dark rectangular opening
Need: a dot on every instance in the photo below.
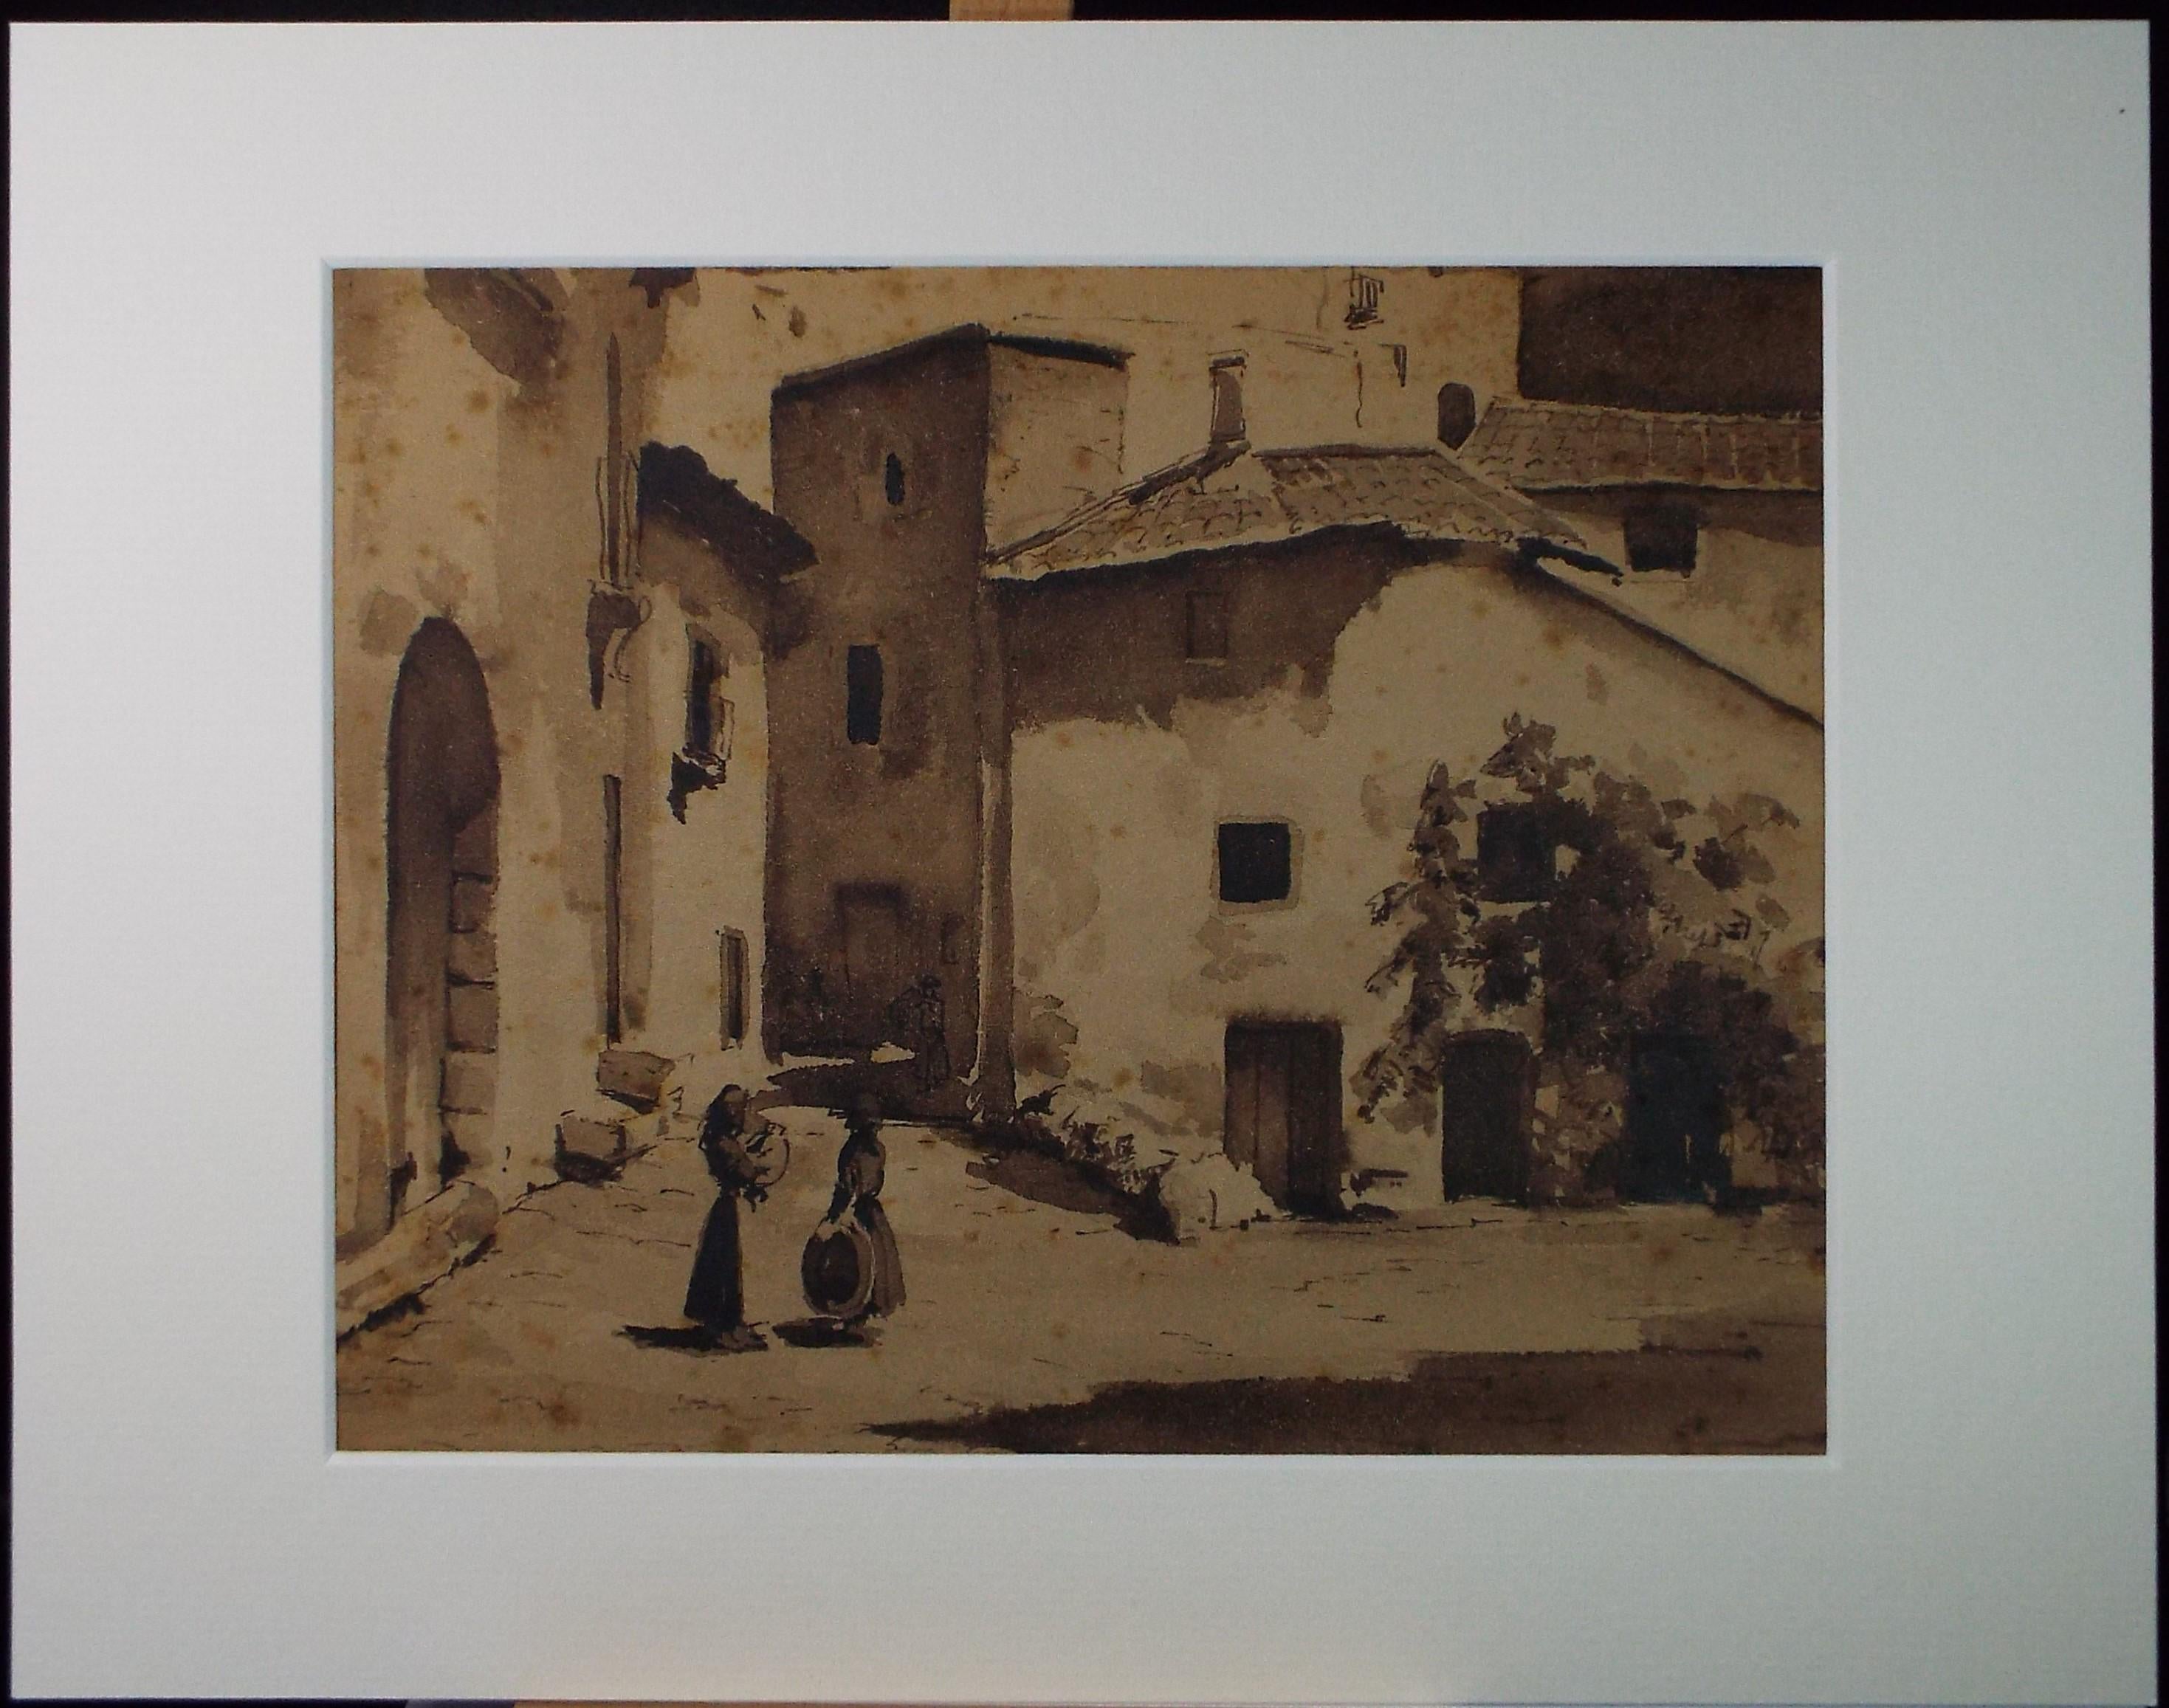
(1282, 1118)
(1662, 537)
(862, 689)
(1255, 862)
(704, 670)
(1516, 856)
(1675, 1118)
(613, 910)
(734, 971)
(1486, 1094)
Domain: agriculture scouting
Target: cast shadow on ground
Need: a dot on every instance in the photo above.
(1764, 1398)
(693, 1339)
(823, 1331)
(1051, 1181)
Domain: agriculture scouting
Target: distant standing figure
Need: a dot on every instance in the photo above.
(933, 1039)
(860, 1166)
(716, 1296)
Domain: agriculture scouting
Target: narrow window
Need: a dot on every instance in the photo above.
(1661, 536)
(613, 912)
(1255, 862)
(862, 689)
(1227, 372)
(733, 970)
(893, 480)
(704, 671)
(1205, 627)
(1516, 856)
(1363, 293)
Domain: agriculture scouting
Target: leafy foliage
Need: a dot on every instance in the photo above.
(1655, 918)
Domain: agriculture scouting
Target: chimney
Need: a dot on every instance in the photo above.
(1227, 373)
(1456, 414)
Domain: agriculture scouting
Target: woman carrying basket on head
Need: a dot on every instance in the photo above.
(744, 1157)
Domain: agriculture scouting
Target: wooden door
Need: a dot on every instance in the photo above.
(1282, 1119)
(1675, 1118)
(1486, 1093)
(877, 958)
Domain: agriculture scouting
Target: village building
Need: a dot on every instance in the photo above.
(1131, 782)
(549, 754)
(1044, 795)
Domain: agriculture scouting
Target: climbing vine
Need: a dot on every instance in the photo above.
(1597, 913)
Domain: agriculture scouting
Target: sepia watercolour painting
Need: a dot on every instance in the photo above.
(1079, 859)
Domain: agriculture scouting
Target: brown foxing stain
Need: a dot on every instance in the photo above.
(477, 401)
(453, 435)
(1116, 833)
(394, 448)
(1663, 1253)
(560, 1413)
(1555, 638)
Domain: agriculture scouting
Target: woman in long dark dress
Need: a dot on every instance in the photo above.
(860, 1167)
(715, 1298)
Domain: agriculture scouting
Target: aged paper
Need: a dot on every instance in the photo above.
(1079, 859)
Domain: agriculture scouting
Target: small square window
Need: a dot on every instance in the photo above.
(1255, 862)
(1516, 857)
(1205, 628)
(1662, 537)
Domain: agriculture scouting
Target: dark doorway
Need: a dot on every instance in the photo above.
(877, 962)
(1283, 1110)
(1675, 1119)
(1486, 1090)
(440, 988)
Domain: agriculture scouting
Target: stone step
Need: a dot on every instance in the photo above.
(423, 1245)
(588, 1150)
(633, 1077)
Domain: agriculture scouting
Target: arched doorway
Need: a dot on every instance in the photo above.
(440, 866)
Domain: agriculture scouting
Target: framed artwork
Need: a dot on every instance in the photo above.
(1287, 887)
(1197, 862)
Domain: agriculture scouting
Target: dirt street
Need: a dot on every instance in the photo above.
(1035, 1322)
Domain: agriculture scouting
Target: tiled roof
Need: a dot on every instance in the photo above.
(1540, 446)
(1230, 495)
(675, 478)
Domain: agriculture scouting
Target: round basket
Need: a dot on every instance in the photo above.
(837, 1270)
(768, 1154)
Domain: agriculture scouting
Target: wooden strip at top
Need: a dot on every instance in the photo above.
(982, 11)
